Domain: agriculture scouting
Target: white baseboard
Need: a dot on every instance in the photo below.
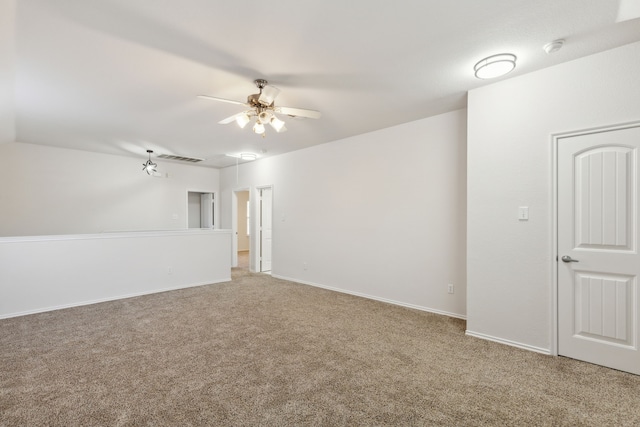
(509, 342)
(359, 294)
(114, 298)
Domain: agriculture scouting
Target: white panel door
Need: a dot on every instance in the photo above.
(266, 207)
(598, 264)
(207, 219)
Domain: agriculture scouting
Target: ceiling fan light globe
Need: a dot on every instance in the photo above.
(242, 120)
(268, 95)
(258, 127)
(265, 116)
(277, 124)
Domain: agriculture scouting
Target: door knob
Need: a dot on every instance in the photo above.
(567, 258)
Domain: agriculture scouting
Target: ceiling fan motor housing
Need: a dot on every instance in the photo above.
(254, 101)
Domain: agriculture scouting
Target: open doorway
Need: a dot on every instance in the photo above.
(201, 210)
(243, 229)
(252, 226)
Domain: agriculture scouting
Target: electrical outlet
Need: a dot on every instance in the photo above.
(169, 270)
(304, 265)
(450, 288)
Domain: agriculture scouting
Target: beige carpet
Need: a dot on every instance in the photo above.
(265, 352)
(243, 260)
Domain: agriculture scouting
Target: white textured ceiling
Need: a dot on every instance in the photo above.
(122, 76)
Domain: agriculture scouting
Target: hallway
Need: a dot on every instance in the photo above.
(243, 260)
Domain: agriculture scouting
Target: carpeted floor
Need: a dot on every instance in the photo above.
(259, 351)
(243, 260)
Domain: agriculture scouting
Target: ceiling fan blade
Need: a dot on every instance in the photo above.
(298, 112)
(214, 98)
(268, 95)
(231, 118)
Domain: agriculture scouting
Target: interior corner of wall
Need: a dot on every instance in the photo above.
(7, 71)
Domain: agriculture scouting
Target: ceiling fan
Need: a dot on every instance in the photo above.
(262, 108)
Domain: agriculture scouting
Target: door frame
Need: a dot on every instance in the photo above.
(234, 225)
(555, 140)
(257, 241)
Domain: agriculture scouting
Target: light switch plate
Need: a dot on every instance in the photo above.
(523, 213)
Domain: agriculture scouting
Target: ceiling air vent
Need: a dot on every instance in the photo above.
(180, 158)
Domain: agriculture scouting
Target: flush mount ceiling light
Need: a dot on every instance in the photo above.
(248, 156)
(495, 66)
(149, 167)
(262, 109)
(244, 156)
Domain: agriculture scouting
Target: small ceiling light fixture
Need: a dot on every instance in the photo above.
(244, 156)
(149, 167)
(495, 66)
(553, 46)
(248, 156)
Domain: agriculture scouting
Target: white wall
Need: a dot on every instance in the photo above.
(193, 210)
(51, 272)
(46, 190)
(509, 262)
(7, 72)
(381, 214)
(243, 237)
